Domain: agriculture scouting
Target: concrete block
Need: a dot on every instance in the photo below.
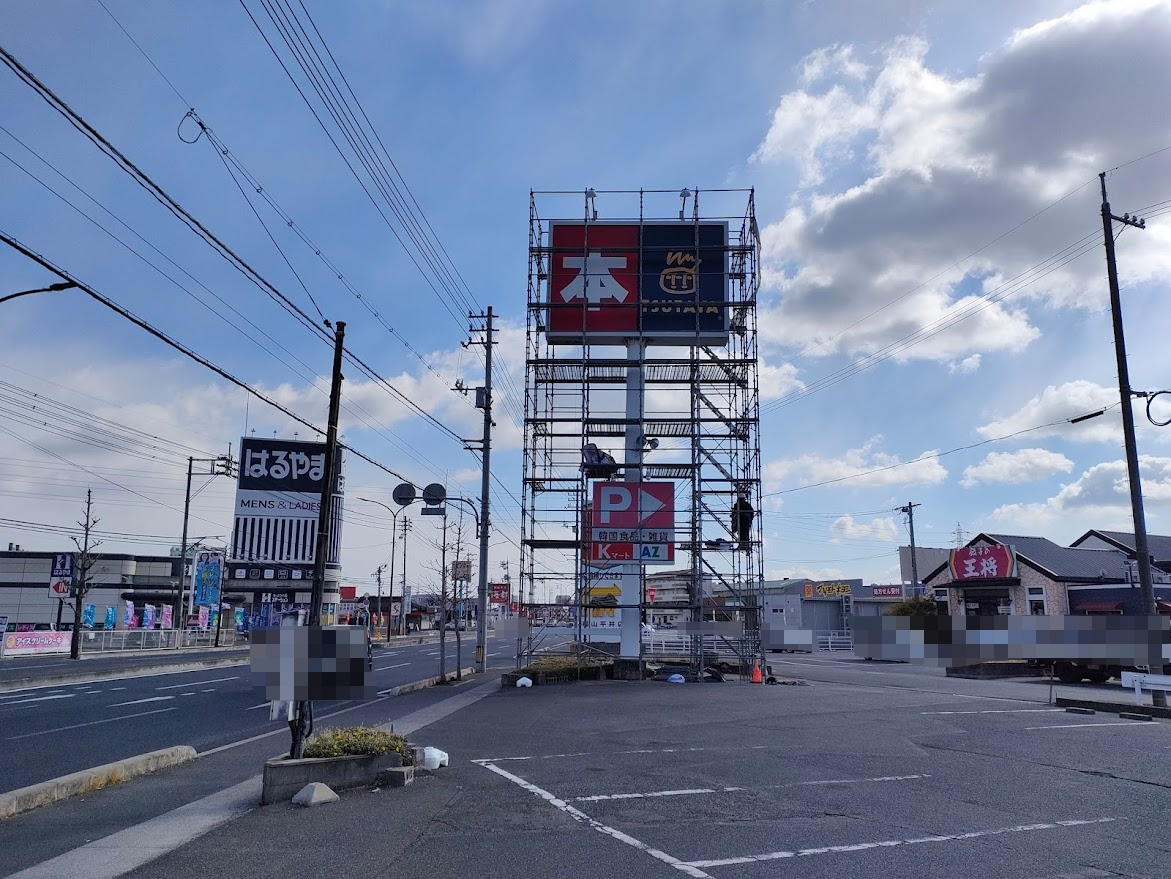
(315, 794)
(1081, 710)
(398, 776)
(1134, 715)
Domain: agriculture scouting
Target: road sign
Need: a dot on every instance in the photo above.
(403, 494)
(61, 577)
(634, 505)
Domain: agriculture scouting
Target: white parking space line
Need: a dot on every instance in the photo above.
(1108, 723)
(611, 753)
(385, 667)
(889, 843)
(197, 683)
(658, 793)
(578, 815)
(37, 699)
(996, 711)
(857, 780)
(142, 701)
(45, 732)
(261, 705)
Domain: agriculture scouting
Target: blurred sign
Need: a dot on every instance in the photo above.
(31, 643)
(888, 591)
(209, 572)
(461, 570)
(498, 593)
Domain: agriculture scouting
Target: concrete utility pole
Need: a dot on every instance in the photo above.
(378, 577)
(1141, 549)
(222, 466)
(909, 509)
(484, 401)
(321, 552)
(443, 604)
(406, 590)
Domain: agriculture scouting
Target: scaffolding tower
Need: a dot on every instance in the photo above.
(689, 359)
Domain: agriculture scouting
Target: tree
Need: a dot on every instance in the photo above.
(919, 606)
(83, 582)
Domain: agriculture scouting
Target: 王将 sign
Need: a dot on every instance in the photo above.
(982, 563)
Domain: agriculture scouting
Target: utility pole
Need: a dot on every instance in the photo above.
(909, 509)
(81, 583)
(1141, 549)
(224, 465)
(443, 605)
(484, 401)
(378, 577)
(406, 592)
(457, 593)
(305, 708)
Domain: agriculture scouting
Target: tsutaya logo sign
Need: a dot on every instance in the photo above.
(983, 563)
(663, 282)
(633, 522)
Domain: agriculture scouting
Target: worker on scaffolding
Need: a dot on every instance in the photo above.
(742, 516)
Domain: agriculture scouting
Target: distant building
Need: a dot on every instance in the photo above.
(927, 558)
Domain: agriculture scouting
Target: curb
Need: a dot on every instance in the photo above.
(115, 674)
(89, 780)
(1114, 707)
(425, 683)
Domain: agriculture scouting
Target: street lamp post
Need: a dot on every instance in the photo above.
(393, 537)
(52, 288)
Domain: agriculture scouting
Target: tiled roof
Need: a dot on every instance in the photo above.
(1066, 562)
(1158, 544)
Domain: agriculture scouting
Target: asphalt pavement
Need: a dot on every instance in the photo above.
(50, 731)
(870, 769)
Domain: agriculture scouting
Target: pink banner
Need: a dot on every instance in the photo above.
(204, 617)
(168, 615)
(28, 643)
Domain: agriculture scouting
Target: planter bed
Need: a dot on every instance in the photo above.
(283, 777)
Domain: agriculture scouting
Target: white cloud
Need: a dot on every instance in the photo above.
(876, 529)
(778, 381)
(1059, 404)
(950, 163)
(966, 366)
(1102, 491)
(865, 466)
(1025, 465)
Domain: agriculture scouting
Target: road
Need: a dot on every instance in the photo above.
(47, 732)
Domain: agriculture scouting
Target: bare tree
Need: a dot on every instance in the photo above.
(82, 582)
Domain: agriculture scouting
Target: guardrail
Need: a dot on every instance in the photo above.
(116, 640)
(836, 641)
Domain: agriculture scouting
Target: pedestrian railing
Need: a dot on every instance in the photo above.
(115, 640)
(836, 641)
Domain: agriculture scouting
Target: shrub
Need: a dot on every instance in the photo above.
(357, 741)
(919, 606)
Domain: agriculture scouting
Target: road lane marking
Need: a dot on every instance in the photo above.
(90, 723)
(192, 693)
(656, 793)
(578, 815)
(116, 689)
(1109, 723)
(142, 701)
(996, 711)
(209, 690)
(37, 699)
(888, 843)
(197, 683)
(261, 705)
(857, 780)
(385, 667)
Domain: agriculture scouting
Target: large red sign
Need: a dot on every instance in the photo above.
(626, 505)
(498, 593)
(982, 563)
(593, 279)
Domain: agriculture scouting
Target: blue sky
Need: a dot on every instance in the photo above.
(913, 162)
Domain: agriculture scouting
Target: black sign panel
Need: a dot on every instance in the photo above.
(683, 279)
(283, 465)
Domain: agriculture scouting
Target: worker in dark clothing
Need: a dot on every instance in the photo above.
(742, 515)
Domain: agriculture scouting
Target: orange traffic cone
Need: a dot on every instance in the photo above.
(756, 678)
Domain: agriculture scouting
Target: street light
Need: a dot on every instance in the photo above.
(52, 288)
(393, 538)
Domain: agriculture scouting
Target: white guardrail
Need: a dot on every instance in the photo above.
(1139, 682)
(102, 641)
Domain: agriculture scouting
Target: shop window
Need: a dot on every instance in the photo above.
(1036, 597)
(941, 603)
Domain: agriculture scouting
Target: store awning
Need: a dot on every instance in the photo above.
(1099, 607)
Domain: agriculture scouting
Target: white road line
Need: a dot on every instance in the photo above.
(888, 843)
(192, 693)
(1109, 723)
(995, 711)
(142, 701)
(90, 723)
(385, 667)
(116, 689)
(657, 793)
(209, 690)
(38, 699)
(197, 683)
(610, 753)
(578, 815)
(261, 705)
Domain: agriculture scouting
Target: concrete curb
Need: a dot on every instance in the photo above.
(89, 780)
(1114, 707)
(425, 683)
(117, 674)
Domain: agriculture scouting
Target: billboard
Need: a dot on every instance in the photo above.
(498, 593)
(666, 283)
(278, 500)
(61, 577)
(633, 522)
(982, 563)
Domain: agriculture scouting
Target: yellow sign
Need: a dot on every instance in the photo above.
(597, 592)
(833, 589)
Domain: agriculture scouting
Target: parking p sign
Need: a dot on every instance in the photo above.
(61, 577)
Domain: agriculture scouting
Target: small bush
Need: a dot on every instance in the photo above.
(356, 741)
(919, 606)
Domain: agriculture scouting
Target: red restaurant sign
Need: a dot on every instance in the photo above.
(983, 563)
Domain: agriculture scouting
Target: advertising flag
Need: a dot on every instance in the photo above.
(130, 614)
(87, 616)
(111, 619)
(168, 616)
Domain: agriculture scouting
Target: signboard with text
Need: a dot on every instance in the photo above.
(32, 643)
(888, 591)
(633, 522)
(498, 593)
(61, 577)
(983, 563)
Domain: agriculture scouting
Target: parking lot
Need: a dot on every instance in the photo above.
(887, 771)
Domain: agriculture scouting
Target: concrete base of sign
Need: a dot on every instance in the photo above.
(315, 794)
(628, 670)
(284, 777)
